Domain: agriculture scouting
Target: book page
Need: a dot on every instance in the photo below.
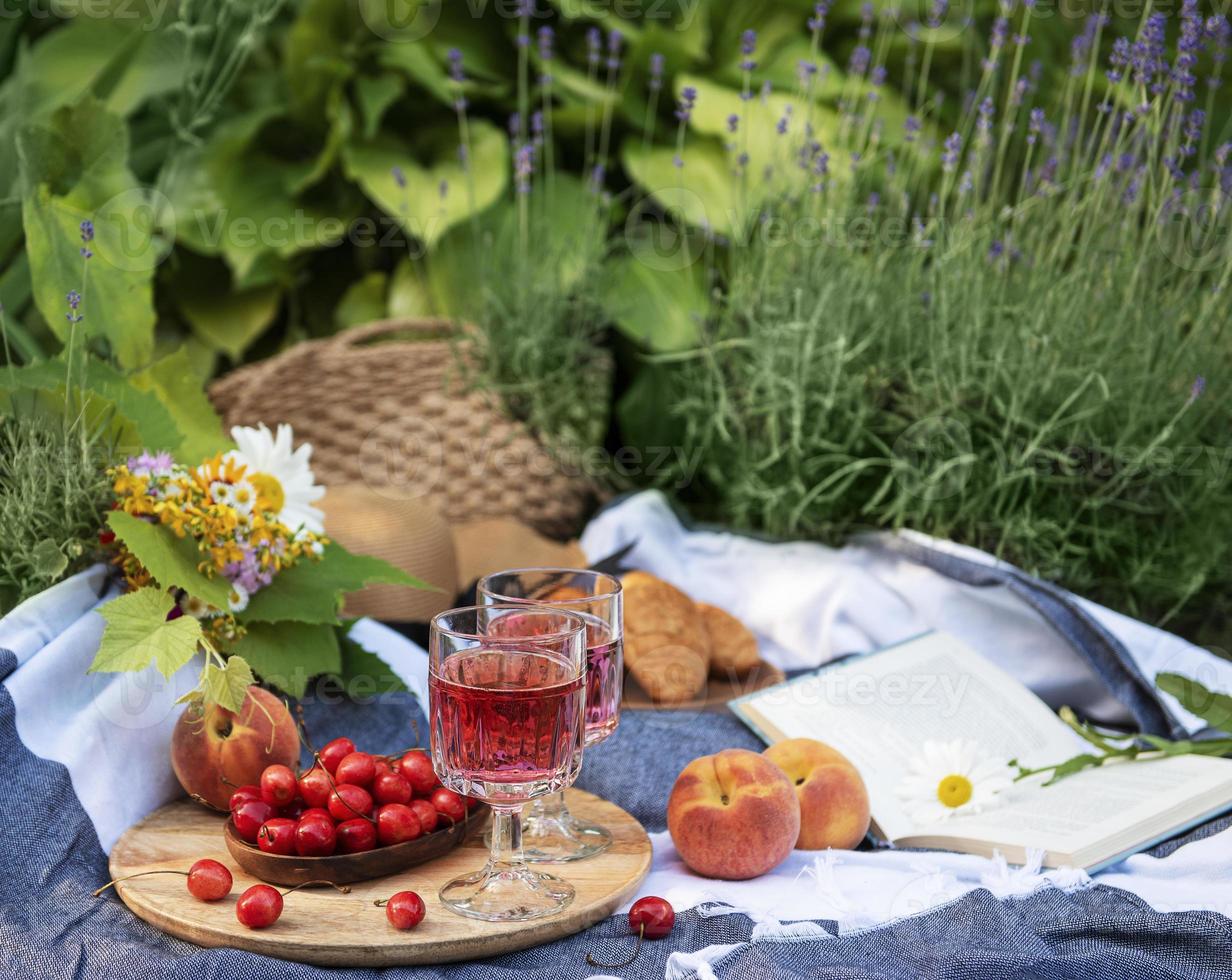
(878, 709)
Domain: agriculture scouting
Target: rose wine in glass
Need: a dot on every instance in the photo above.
(506, 700)
(551, 833)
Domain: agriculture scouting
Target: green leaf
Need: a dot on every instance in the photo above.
(49, 560)
(375, 94)
(177, 386)
(419, 207)
(289, 655)
(228, 686)
(1211, 706)
(363, 302)
(703, 193)
(318, 54)
(363, 673)
(312, 591)
(1074, 765)
(74, 168)
(226, 318)
(170, 560)
(655, 301)
(138, 631)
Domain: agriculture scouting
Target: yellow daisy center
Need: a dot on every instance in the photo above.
(242, 496)
(269, 488)
(954, 790)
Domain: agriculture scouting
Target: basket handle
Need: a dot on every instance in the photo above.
(439, 327)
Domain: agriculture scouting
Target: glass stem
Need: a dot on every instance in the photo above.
(550, 807)
(505, 852)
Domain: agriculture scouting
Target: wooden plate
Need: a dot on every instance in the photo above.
(322, 927)
(714, 696)
(343, 869)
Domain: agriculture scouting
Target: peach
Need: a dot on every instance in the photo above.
(733, 815)
(213, 750)
(833, 800)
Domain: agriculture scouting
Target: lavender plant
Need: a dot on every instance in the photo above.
(1005, 329)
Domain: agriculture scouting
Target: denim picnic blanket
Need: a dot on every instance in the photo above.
(85, 756)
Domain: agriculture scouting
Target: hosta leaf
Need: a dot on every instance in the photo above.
(312, 591)
(174, 382)
(138, 631)
(228, 686)
(657, 299)
(289, 655)
(1211, 706)
(170, 560)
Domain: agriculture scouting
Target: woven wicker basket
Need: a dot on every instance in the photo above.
(384, 406)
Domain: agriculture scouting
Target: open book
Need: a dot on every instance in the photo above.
(878, 709)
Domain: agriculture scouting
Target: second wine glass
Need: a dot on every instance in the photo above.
(550, 832)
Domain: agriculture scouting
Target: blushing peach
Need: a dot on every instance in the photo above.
(833, 799)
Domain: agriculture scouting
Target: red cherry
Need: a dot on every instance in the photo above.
(293, 810)
(448, 804)
(349, 801)
(417, 768)
(317, 811)
(391, 787)
(383, 764)
(277, 836)
(243, 795)
(426, 812)
(405, 910)
(395, 823)
(652, 916)
(314, 787)
(209, 880)
(248, 818)
(357, 769)
(335, 752)
(278, 785)
(355, 836)
(315, 837)
(259, 907)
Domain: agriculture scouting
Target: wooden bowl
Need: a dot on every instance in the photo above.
(341, 869)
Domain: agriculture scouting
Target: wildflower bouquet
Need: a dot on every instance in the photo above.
(229, 559)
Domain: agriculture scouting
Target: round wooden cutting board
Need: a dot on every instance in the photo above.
(323, 927)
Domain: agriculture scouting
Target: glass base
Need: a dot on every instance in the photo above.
(552, 837)
(507, 894)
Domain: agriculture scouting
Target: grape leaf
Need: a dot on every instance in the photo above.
(312, 591)
(171, 560)
(363, 673)
(228, 686)
(289, 655)
(138, 631)
(1211, 706)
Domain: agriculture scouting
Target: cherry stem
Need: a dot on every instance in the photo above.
(316, 761)
(344, 889)
(206, 803)
(637, 948)
(380, 902)
(139, 874)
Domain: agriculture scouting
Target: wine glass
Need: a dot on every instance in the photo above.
(550, 832)
(506, 698)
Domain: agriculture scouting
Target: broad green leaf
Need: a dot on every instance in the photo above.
(703, 193)
(289, 655)
(656, 299)
(409, 292)
(143, 422)
(421, 66)
(74, 168)
(318, 53)
(1211, 706)
(376, 93)
(49, 560)
(226, 318)
(420, 207)
(170, 560)
(363, 302)
(228, 686)
(174, 381)
(312, 591)
(138, 631)
(363, 673)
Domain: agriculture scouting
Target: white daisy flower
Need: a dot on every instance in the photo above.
(196, 608)
(948, 778)
(243, 497)
(282, 474)
(220, 493)
(238, 599)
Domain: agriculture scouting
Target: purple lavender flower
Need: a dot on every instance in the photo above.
(688, 99)
(1035, 123)
(614, 40)
(1119, 59)
(678, 161)
(911, 127)
(454, 58)
(806, 71)
(399, 176)
(1147, 53)
(151, 464)
(817, 22)
(860, 56)
(1218, 33)
(951, 150)
(74, 301)
(523, 167)
(1081, 46)
(983, 121)
(546, 37)
(878, 76)
(656, 72)
(733, 123)
(784, 122)
(996, 250)
(594, 45)
(1192, 132)
(937, 12)
(1189, 46)
(515, 124)
(1197, 389)
(748, 46)
(87, 236)
(966, 183)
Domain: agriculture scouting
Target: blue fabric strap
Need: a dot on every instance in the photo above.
(1103, 651)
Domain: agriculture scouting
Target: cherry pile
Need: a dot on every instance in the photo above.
(348, 802)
